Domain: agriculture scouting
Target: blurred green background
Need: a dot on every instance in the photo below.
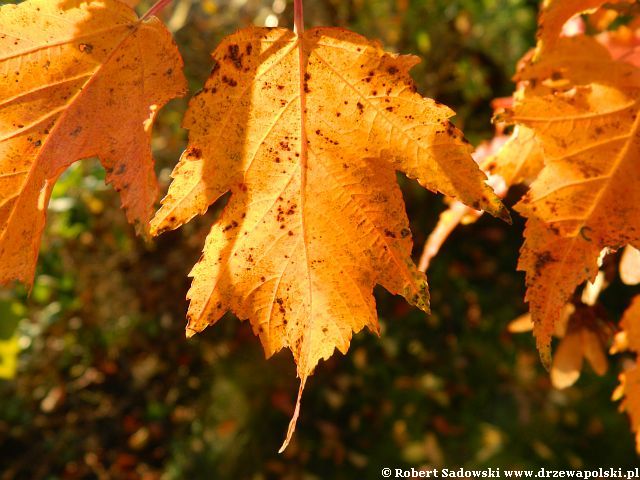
(99, 381)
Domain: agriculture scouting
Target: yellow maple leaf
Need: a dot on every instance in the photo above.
(584, 113)
(77, 80)
(307, 133)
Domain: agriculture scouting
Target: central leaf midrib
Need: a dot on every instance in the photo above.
(304, 159)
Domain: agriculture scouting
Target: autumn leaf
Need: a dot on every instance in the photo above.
(584, 339)
(583, 336)
(77, 80)
(630, 266)
(518, 159)
(307, 133)
(458, 212)
(507, 160)
(623, 43)
(628, 339)
(556, 13)
(583, 107)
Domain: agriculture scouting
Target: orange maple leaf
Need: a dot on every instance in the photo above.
(77, 80)
(583, 107)
(307, 133)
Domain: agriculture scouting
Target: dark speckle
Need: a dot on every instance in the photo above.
(235, 56)
(194, 152)
(542, 260)
(229, 81)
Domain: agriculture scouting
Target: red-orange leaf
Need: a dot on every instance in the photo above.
(77, 80)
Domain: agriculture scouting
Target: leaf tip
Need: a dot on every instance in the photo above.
(190, 332)
(504, 215)
(296, 413)
(157, 226)
(497, 209)
(544, 350)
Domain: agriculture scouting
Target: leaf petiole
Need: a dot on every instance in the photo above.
(298, 17)
(156, 8)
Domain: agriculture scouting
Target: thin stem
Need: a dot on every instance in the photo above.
(298, 16)
(156, 9)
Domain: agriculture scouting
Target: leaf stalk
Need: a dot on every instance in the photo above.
(298, 17)
(156, 8)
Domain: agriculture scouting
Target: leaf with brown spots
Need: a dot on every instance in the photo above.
(587, 197)
(77, 80)
(307, 133)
